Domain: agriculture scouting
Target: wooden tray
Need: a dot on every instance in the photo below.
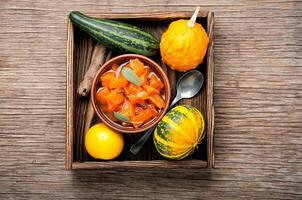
(79, 51)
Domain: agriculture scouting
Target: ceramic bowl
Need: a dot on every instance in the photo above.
(121, 59)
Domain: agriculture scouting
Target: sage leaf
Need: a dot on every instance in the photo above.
(121, 117)
(119, 69)
(131, 76)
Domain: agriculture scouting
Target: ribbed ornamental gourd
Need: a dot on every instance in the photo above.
(184, 44)
(179, 132)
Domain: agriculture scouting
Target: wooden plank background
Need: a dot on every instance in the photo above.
(258, 101)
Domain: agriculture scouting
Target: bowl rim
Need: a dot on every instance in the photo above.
(110, 123)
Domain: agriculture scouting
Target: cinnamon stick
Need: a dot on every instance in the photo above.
(90, 113)
(98, 58)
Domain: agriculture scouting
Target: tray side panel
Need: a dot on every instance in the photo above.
(210, 91)
(153, 16)
(198, 164)
(70, 102)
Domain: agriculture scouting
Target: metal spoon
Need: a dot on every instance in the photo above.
(188, 85)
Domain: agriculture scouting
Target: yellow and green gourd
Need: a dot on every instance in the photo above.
(179, 132)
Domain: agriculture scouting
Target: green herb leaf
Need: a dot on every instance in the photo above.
(121, 117)
(119, 69)
(131, 76)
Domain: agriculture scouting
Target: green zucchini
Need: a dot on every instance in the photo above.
(118, 36)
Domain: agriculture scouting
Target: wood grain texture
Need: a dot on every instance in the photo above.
(257, 98)
(210, 93)
(70, 100)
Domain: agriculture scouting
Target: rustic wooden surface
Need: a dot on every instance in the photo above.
(258, 102)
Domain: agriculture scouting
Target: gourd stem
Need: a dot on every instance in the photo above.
(191, 23)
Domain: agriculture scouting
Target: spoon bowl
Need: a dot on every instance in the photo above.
(189, 84)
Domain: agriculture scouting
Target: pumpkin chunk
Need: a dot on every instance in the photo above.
(133, 89)
(156, 82)
(143, 117)
(137, 66)
(144, 76)
(157, 101)
(127, 109)
(114, 99)
(139, 97)
(106, 77)
(119, 82)
(150, 90)
(114, 66)
(101, 95)
(138, 110)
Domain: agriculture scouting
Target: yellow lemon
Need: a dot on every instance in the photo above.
(101, 142)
